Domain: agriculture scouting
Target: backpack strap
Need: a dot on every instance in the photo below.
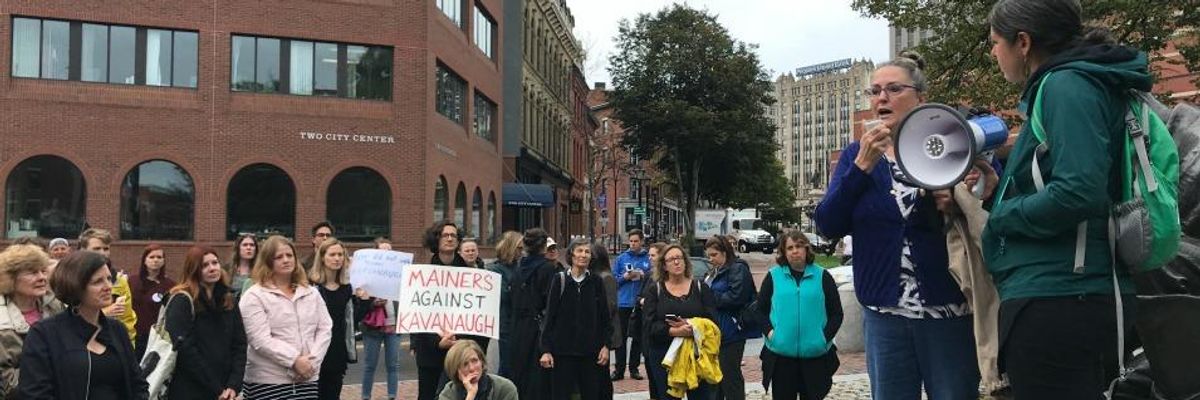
(1039, 132)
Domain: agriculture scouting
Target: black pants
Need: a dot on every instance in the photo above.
(329, 386)
(1061, 348)
(575, 374)
(430, 381)
(805, 378)
(733, 385)
(631, 327)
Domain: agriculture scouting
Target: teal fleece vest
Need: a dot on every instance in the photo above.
(798, 313)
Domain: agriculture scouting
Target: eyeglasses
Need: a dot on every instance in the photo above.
(673, 260)
(323, 235)
(449, 236)
(892, 89)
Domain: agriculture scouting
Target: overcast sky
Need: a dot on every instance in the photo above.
(789, 33)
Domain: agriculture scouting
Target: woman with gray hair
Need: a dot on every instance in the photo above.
(574, 343)
(25, 299)
(918, 326)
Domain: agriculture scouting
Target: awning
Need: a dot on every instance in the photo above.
(528, 195)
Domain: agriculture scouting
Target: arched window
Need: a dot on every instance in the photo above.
(45, 196)
(441, 199)
(460, 207)
(491, 219)
(477, 215)
(359, 204)
(158, 202)
(261, 199)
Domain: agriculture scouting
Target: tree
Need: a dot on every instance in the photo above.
(692, 101)
(961, 70)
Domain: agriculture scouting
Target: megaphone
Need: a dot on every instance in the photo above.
(936, 145)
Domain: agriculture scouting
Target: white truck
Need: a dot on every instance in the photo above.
(743, 224)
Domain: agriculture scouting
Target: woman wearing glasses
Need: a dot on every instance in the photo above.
(675, 299)
(917, 324)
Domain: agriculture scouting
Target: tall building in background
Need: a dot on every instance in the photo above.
(538, 136)
(191, 122)
(814, 116)
(900, 39)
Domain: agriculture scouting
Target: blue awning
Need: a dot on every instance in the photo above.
(528, 195)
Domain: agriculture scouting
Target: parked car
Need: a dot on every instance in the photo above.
(820, 245)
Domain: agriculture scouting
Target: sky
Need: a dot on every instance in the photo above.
(789, 33)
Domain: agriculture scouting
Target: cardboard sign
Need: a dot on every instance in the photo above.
(455, 299)
(379, 272)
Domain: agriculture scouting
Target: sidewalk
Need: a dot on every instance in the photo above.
(850, 383)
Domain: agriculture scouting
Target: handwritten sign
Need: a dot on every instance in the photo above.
(456, 299)
(379, 272)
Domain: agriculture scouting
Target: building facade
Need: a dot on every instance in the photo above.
(900, 39)
(191, 122)
(814, 116)
(537, 161)
(630, 193)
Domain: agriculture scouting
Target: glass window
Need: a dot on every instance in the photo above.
(492, 235)
(184, 70)
(45, 196)
(301, 68)
(242, 65)
(441, 198)
(158, 202)
(369, 72)
(450, 92)
(460, 207)
(485, 117)
(121, 54)
(158, 57)
(26, 43)
(325, 70)
(261, 199)
(477, 215)
(452, 9)
(266, 74)
(359, 204)
(94, 55)
(484, 31)
(56, 49)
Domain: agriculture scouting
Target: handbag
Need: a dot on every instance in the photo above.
(158, 364)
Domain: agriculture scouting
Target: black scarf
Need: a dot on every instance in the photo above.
(485, 389)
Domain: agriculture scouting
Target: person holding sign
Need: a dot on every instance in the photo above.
(467, 365)
(381, 333)
(578, 328)
(287, 327)
(329, 274)
(443, 240)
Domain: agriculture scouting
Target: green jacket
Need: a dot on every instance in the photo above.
(1029, 240)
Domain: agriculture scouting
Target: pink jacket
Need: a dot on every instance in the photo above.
(278, 330)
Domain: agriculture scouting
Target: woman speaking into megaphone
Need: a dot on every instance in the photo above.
(918, 325)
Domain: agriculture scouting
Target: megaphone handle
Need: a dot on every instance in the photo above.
(977, 190)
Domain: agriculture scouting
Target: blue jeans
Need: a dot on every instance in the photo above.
(372, 340)
(903, 354)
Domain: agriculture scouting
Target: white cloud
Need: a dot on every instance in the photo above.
(789, 33)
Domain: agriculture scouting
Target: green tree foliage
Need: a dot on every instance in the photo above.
(961, 70)
(692, 99)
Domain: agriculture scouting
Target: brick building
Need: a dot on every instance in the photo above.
(181, 122)
(626, 183)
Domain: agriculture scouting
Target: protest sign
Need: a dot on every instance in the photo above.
(379, 272)
(455, 299)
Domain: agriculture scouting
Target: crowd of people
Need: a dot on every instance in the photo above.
(268, 324)
(263, 325)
